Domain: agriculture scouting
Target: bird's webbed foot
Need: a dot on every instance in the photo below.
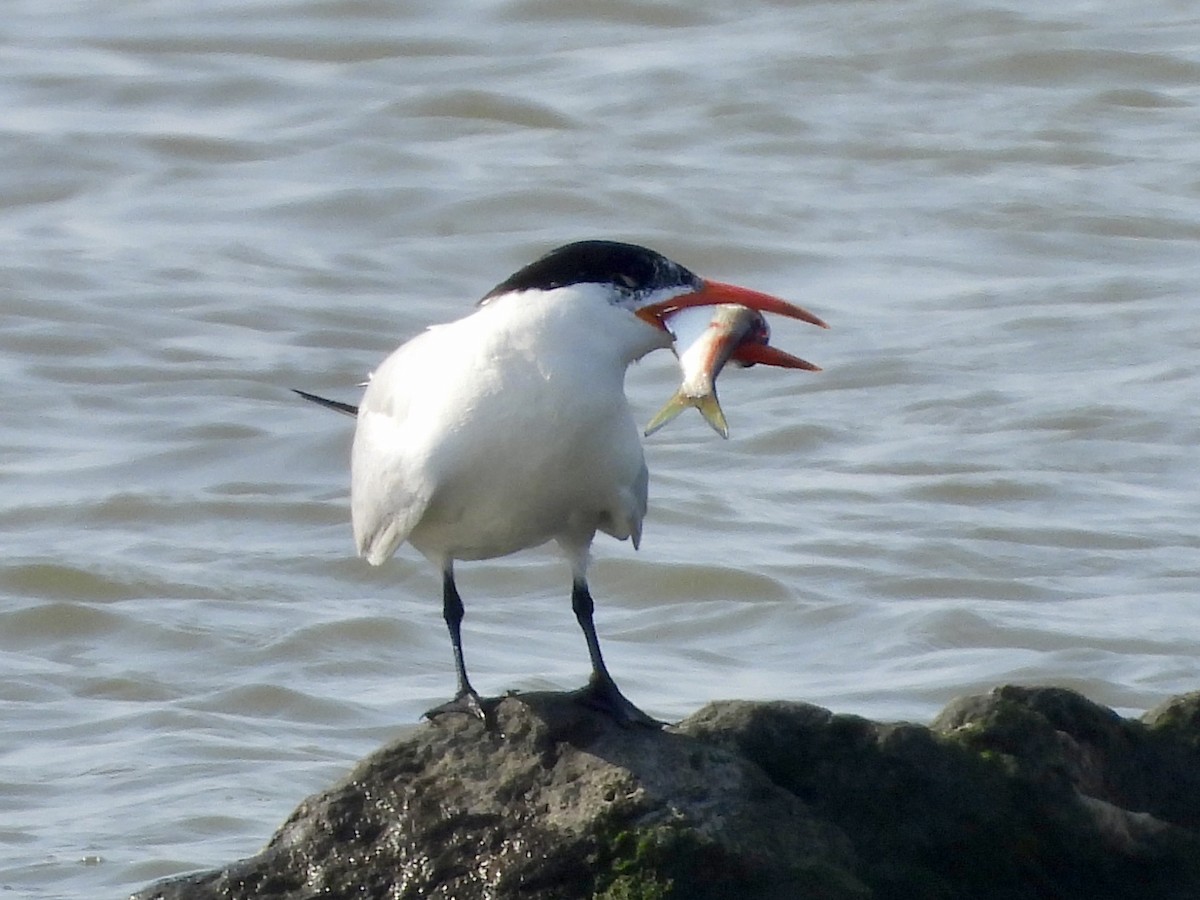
(469, 702)
(602, 694)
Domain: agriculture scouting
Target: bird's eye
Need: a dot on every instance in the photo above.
(628, 281)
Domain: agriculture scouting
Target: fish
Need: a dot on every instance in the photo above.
(706, 338)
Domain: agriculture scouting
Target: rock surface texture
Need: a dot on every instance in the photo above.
(1021, 793)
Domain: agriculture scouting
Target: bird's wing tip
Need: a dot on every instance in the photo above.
(347, 409)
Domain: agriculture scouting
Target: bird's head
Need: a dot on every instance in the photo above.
(651, 287)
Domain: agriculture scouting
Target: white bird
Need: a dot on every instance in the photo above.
(509, 428)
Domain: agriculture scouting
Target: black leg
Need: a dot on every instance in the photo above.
(583, 607)
(466, 699)
(452, 612)
(601, 692)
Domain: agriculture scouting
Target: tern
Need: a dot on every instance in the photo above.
(509, 428)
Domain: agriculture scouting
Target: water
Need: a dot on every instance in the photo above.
(203, 205)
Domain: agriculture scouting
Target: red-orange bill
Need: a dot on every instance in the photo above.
(714, 292)
(750, 354)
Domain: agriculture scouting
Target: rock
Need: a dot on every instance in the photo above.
(1021, 793)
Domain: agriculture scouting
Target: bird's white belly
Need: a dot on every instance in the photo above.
(556, 480)
(499, 449)
(461, 527)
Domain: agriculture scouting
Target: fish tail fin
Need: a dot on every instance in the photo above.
(710, 408)
(670, 410)
(708, 405)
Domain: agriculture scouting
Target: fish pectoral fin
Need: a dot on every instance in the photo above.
(708, 405)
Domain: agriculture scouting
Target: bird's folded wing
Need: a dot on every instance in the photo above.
(386, 500)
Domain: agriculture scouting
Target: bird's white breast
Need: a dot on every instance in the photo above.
(503, 430)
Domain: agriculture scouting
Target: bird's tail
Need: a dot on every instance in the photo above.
(708, 405)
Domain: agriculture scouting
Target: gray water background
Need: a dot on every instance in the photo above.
(995, 204)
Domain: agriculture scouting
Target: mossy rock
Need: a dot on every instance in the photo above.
(1020, 794)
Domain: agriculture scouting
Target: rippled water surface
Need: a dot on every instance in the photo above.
(996, 206)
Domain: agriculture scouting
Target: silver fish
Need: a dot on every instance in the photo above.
(706, 338)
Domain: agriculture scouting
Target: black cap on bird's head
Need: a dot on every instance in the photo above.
(652, 287)
(631, 270)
